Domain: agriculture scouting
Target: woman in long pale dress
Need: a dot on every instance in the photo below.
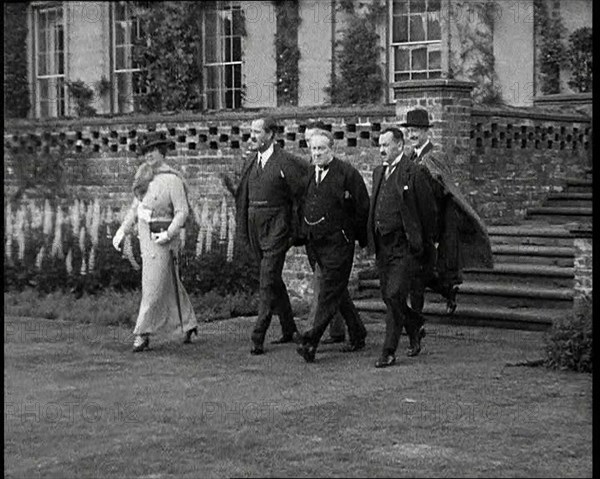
(161, 200)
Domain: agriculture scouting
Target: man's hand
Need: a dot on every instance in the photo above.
(118, 239)
(228, 183)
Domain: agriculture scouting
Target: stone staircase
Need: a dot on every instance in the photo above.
(531, 283)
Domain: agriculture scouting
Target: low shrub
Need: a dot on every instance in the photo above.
(569, 343)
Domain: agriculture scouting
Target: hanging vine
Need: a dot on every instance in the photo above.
(359, 78)
(287, 51)
(473, 57)
(16, 86)
(550, 31)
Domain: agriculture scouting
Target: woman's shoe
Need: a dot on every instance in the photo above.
(141, 342)
(188, 335)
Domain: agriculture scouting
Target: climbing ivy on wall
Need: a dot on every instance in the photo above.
(169, 56)
(473, 55)
(358, 77)
(580, 56)
(16, 87)
(287, 51)
(551, 51)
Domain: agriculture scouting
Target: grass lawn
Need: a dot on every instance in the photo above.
(79, 403)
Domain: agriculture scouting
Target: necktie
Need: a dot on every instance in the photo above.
(388, 170)
(320, 171)
(260, 163)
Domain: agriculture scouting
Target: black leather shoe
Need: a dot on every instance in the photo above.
(257, 350)
(385, 361)
(141, 343)
(283, 340)
(307, 352)
(352, 347)
(188, 335)
(333, 340)
(451, 302)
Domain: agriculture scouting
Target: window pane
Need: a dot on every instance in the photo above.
(237, 98)
(229, 99)
(229, 76)
(400, 7)
(120, 13)
(42, 67)
(419, 76)
(417, 32)
(400, 29)
(417, 6)
(120, 58)
(419, 59)
(211, 50)
(124, 92)
(435, 75)
(237, 49)
(120, 33)
(238, 22)
(237, 76)
(433, 27)
(401, 76)
(227, 49)
(212, 78)
(435, 60)
(433, 6)
(401, 60)
(226, 22)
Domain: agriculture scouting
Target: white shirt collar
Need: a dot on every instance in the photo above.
(265, 155)
(420, 150)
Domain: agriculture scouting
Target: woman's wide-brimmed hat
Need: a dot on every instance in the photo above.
(153, 139)
(418, 118)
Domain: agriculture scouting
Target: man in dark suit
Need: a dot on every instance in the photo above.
(335, 210)
(337, 330)
(462, 237)
(402, 219)
(267, 205)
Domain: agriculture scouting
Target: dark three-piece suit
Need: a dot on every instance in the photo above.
(267, 205)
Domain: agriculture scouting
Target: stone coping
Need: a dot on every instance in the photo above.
(534, 113)
(301, 113)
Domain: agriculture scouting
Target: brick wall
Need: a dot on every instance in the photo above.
(504, 159)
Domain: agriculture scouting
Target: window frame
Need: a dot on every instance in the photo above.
(221, 66)
(57, 107)
(412, 45)
(128, 73)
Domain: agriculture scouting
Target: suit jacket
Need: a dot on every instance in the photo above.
(354, 198)
(418, 206)
(294, 171)
(472, 237)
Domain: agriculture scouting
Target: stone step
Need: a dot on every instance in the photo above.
(560, 211)
(585, 187)
(533, 250)
(476, 315)
(569, 199)
(563, 262)
(542, 234)
(527, 274)
(512, 295)
(562, 219)
(578, 182)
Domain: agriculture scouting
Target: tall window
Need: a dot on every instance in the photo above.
(223, 28)
(416, 39)
(126, 28)
(49, 51)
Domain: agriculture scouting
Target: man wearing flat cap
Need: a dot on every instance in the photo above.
(461, 239)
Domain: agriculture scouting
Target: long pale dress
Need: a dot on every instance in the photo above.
(164, 200)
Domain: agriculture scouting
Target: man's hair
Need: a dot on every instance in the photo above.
(396, 133)
(269, 124)
(323, 133)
